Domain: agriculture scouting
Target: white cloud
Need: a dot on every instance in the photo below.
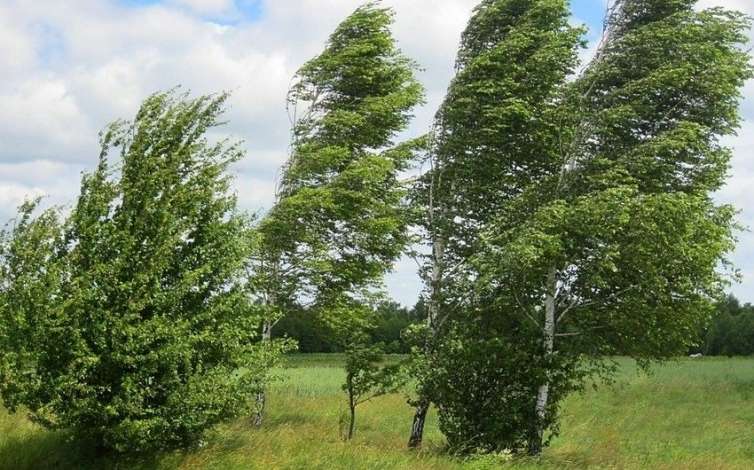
(42, 119)
(16, 48)
(738, 192)
(745, 6)
(207, 7)
(68, 68)
(12, 195)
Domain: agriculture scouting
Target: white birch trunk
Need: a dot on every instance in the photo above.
(420, 415)
(271, 301)
(261, 397)
(548, 332)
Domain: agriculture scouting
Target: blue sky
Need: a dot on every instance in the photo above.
(239, 12)
(68, 68)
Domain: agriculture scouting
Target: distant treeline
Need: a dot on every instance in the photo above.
(389, 321)
(731, 332)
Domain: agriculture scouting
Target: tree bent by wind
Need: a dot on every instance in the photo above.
(128, 321)
(572, 219)
(340, 220)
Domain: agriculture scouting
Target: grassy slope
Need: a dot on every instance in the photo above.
(693, 414)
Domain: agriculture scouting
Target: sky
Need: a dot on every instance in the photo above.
(67, 68)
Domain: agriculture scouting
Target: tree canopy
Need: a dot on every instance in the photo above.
(138, 332)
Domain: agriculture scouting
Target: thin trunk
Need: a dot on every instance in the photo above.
(352, 423)
(543, 394)
(417, 427)
(351, 407)
(420, 415)
(261, 399)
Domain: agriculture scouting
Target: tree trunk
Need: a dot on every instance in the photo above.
(417, 427)
(420, 415)
(352, 422)
(261, 399)
(543, 394)
(351, 407)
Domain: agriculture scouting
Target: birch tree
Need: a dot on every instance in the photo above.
(340, 221)
(492, 136)
(615, 248)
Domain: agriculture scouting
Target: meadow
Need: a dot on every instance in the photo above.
(687, 414)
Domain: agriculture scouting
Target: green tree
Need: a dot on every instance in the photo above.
(731, 332)
(390, 322)
(140, 339)
(493, 135)
(339, 221)
(612, 242)
(366, 378)
(314, 335)
(31, 273)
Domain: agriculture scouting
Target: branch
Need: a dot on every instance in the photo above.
(574, 303)
(526, 311)
(568, 334)
(570, 307)
(579, 333)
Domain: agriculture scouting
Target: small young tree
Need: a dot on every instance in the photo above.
(366, 378)
(339, 222)
(138, 332)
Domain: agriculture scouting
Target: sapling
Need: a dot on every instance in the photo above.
(367, 377)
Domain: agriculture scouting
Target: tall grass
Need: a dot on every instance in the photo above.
(689, 414)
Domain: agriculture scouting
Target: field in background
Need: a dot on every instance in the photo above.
(690, 414)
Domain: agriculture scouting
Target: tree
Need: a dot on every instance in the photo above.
(612, 244)
(731, 332)
(339, 221)
(491, 137)
(390, 322)
(31, 273)
(313, 334)
(366, 379)
(138, 333)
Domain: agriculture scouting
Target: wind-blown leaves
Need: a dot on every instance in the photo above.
(142, 338)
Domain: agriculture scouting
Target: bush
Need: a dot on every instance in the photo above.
(484, 381)
(131, 323)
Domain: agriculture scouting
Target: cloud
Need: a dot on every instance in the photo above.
(16, 49)
(41, 119)
(13, 194)
(207, 7)
(744, 6)
(67, 72)
(738, 192)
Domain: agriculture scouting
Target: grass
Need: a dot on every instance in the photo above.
(689, 414)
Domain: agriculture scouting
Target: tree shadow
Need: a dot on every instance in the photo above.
(58, 450)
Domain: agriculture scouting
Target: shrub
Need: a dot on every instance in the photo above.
(133, 324)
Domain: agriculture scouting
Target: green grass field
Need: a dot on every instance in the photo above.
(691, 414)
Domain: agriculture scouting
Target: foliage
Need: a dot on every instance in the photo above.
(139, 332)
(493, 136)
(313, 335)
(615, 248)
(575, 214)
(731, 331)
(390, 322)
(31, 274)
(339, 221)
(366, 379)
